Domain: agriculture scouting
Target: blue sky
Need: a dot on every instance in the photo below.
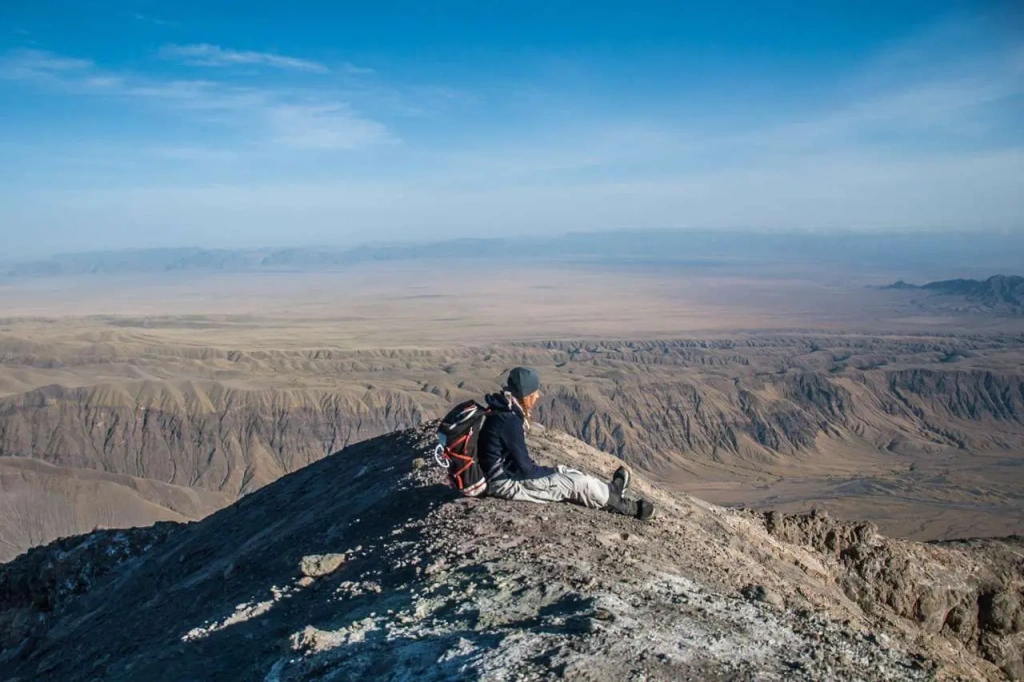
(153, 123)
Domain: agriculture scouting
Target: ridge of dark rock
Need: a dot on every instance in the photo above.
(364, 566)
(999, 292)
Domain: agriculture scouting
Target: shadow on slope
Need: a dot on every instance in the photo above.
(195, 574)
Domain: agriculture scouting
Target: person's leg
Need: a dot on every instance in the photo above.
(505, 489)
(596, 494)
(570, 485)
(567, 485)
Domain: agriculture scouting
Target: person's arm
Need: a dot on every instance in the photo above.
(515, 441)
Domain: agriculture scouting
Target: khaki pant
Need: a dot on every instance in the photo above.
(568, 485)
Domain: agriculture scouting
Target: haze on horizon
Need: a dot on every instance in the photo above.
(131, 123)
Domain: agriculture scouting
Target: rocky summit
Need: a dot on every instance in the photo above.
(364, 565)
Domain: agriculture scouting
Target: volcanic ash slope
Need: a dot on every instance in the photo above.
(364, 566)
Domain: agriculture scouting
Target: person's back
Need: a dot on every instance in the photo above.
(512, 474)
(502, 444)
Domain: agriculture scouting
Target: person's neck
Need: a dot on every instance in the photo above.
(519, 407)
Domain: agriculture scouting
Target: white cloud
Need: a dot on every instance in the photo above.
(348, 67)
(299, 119)
(205, 54)
(38, 64)
(156, 21)
(894, 98)
(196, 154)
(331, 126)
(939, 107)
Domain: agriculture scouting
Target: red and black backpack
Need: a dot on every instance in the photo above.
(457, 453)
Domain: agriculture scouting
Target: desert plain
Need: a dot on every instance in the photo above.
(128, 399)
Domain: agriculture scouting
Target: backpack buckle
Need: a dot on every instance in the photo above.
(441, 458)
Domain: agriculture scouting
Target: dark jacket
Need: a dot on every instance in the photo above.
(502, 444)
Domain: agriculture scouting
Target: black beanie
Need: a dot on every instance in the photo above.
(522, 381)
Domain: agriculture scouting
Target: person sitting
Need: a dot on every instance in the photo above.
(512, 474)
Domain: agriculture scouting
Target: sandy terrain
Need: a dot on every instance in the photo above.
(398, 305)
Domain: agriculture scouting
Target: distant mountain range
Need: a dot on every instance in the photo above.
(626, 247)
(141, 261)
(999, 292)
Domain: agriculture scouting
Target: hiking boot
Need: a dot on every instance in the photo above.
(620, 480)
(638, 509)
(644, 510)
(617, 504)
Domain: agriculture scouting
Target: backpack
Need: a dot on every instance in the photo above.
(456, 452)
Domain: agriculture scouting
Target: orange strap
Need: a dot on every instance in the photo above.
(452, 452)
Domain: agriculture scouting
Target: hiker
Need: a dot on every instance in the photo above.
(512, 475)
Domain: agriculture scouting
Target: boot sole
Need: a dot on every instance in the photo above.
(625, 480)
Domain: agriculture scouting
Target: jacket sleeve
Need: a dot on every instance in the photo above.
(515, 441)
